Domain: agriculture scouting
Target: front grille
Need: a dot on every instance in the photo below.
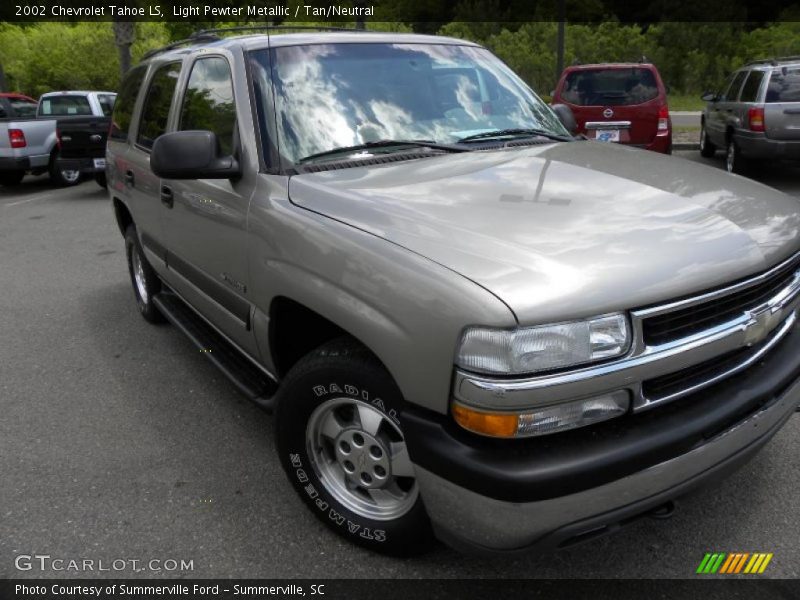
(700, 374)
(662, 329)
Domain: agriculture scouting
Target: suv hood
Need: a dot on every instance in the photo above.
(567, 230)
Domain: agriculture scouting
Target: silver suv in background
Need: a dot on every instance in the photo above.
(757, 116)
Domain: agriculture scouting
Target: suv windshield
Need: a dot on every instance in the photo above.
(330, 96)
(609, 87)
(784, 85)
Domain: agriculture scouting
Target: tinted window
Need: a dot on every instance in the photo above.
(157, 103)
(610, 87)
(20, 107)
(123, 109)
(66, 105)
(751, 86)
(784, 85)
(106, 103)
(732, 93)
(208, 102)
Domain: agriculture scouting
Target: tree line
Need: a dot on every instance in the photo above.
(691, 56)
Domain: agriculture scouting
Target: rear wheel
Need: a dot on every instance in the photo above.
(63, 177)
(707, 149)
(144, 279)
(734, 162)
(341, 443)
(11, 177)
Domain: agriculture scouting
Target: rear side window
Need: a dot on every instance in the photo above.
(732, 93)
(751, 86)
(20, 107)
(106, 103)
(123, 109)
(66, 105)
(155, 113)
(784, 85)
(208, 102)
(610, 87)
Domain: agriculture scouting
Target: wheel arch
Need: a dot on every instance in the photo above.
(295, 330)
(122, 215)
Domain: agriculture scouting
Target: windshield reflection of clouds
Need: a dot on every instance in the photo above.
(337, 95)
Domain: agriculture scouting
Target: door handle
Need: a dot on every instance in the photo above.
(129, 180)
(167, 199)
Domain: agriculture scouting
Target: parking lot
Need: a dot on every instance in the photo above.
(118, 440)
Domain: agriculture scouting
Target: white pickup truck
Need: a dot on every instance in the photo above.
(29, 138)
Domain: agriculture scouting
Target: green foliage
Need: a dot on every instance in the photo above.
(61, 56)
(692, 57)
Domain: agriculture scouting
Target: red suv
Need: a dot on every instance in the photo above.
(621, 102)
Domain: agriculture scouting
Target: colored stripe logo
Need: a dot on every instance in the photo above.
(734, 563)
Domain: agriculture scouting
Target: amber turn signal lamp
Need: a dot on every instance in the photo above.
(493, 424)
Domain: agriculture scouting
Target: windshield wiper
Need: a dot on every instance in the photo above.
(514, 132)
(384, 144)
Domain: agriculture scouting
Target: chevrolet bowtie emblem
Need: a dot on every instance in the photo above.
(758, 325)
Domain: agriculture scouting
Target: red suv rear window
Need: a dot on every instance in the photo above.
(609, 87)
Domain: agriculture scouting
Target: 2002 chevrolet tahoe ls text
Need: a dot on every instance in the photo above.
(469, 323)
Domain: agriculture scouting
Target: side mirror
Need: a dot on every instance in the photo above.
(191, 155)
(709, 97)
(564, 114)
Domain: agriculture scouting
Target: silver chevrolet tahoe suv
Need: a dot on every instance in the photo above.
(470, 324)
(756, 116)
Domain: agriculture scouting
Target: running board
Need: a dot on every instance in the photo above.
(251, 381)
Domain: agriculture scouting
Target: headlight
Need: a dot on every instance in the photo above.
(532, 349)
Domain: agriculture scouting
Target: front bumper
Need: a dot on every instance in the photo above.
(490, 496)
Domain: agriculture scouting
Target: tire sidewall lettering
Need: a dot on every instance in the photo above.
(351, 527)
(323, 390)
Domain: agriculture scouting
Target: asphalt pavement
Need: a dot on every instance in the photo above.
(120, 442)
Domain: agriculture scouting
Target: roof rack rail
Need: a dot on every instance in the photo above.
(773, 61)
(268, 28)
(196, 38)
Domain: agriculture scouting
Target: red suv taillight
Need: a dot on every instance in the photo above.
(17, 138)
(755, 116)
(663, 118)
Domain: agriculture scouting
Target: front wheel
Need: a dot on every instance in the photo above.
(101, 180)
(341, 443)
(707, 149)
(145, 281)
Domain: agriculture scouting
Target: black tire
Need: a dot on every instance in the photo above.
(707, 148)
(149, 280)
(734, 161)
(62, 178)
(101, 180)
(344, 372)
(10, 178)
